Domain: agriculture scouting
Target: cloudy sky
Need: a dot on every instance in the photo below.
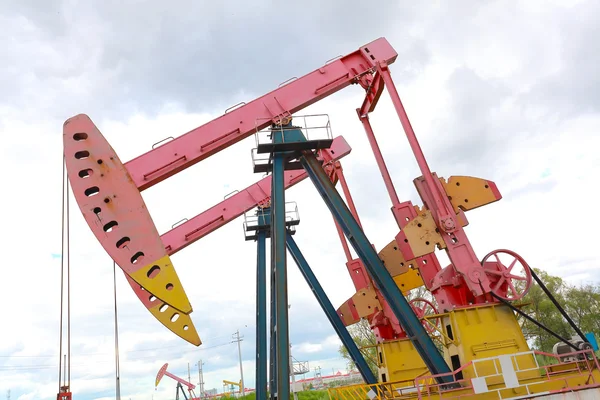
(506, 91)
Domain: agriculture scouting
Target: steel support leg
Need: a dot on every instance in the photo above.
(278, 261)
(398, 303)
(273, 340)
(332, 315)
(261, 316)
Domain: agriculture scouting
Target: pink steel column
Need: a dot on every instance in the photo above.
(340, 174)
(344, 242)
(459, 250)
(387, 179)
(447, 218)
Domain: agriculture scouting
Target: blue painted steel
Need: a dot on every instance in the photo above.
(591, 338)
(278, 261)
(180, 387)
(261, 315)
(287, 134)
(273, 339)
(332, 315)
(398, 303)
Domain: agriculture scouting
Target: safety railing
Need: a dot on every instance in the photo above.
(504, 377)
(509, 373)
(253, 219)
(313, 127)
(379, 391)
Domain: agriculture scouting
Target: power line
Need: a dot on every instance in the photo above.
(121, 352)
(37, 366)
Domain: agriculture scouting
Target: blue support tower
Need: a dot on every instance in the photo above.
(332, 315)
(285, 147)
(278, 264)
(273, 342)
(261, 316)
(259, 231)
(398, 303)
(289, 149)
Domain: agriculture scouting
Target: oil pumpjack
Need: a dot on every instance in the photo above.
(483, 351)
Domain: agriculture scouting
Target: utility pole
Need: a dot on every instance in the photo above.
(293, 375)
(201, 378)
(238, 339)
(317, 376)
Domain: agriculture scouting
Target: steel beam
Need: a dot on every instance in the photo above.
(357, 238)
(261, 316)
(273, 339)
(331, 313)
(278, 262)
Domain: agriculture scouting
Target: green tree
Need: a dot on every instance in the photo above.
(581, 303)
(583, 306)
(365, 339)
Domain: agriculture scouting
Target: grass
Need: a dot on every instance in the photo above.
(307, 395)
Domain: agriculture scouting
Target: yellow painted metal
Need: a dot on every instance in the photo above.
(405, 273)
(160, 279)
(393, 260)
(482, 332)
(179, 323)
(467, 334)
(422, 234)
(468, 193)
(408, 281)
(399, 361)
(365, 302)
(347, 313)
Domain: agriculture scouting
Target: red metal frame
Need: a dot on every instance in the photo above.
(464, 282)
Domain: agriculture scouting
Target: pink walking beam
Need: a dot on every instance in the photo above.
(178, 154)
(163, 371)
(189, 385)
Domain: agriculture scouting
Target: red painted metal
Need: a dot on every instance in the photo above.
(387, 179)
(383, 322)
(459, 249)
(422, 312)
(463, 282)
(339, 172)
(183, 152)
(64, 394)
(503, 278)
